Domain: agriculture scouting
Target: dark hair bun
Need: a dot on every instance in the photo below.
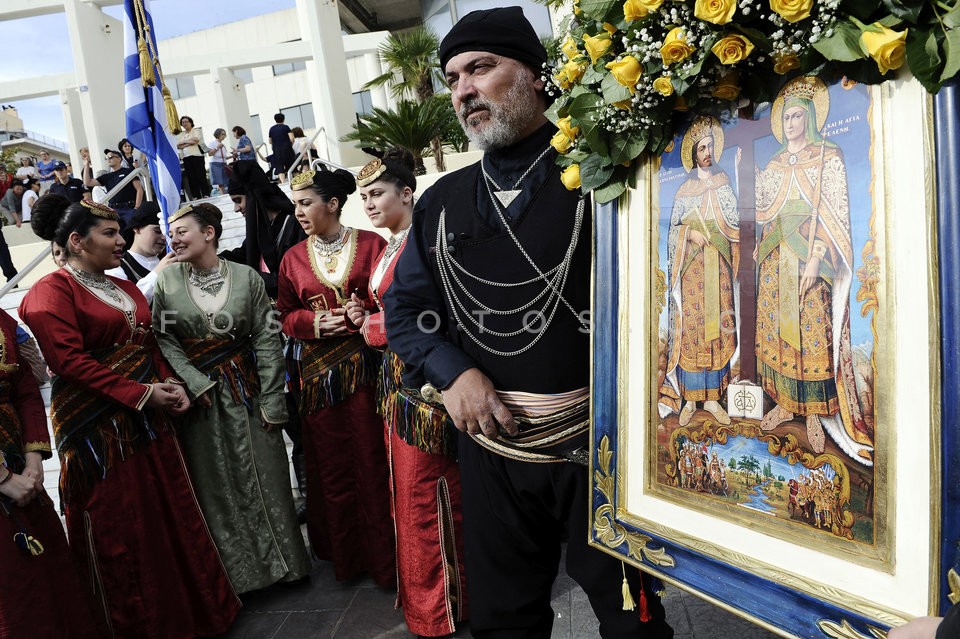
(46, 215)
(346, 183)
(400, 156)
(208, 213)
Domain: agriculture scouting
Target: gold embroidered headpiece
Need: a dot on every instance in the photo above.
(371, 172)
(701, 127)
(208, 212)
(100, 210)
(302, 181)
(183, 210)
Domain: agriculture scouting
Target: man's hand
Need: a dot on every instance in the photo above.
(474, 406)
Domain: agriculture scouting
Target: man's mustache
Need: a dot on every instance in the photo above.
(471, 106)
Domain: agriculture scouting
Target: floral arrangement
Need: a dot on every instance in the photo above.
(626, 72)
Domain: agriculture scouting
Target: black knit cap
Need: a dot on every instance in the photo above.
(504, 31)
(147, 214)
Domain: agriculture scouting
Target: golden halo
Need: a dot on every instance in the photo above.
(701, 127)
(302, 181)
(370, 172)
(809, 87)
(100, 210)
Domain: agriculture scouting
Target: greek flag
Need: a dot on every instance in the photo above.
(147, 126)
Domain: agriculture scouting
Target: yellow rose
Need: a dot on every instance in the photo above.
(732, 49)
(561, 142)
(569, 48)
(792, 10)
(624, 105)
(571, 177)
(728, 88)
(609, 28)
(574, 70)
(597, 45)
(562, 80)
(663, 85)
(675, 47)
(566, 127)
(784, 62)
(886, 47)
(635, 9)
(627, 70)
(715, 11)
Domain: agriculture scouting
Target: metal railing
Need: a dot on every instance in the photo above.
(148, 195)
(313, 163)
(24, 134)
(15, 280)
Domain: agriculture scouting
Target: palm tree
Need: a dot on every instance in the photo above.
(413, 125)
(412, 56)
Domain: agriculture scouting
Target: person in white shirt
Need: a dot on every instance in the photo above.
(141, 262)
(27, 170)
(31, 194)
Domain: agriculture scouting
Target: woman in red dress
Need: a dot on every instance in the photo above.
(42, 595)
(132, 518)
(348, 506)
(425, 478)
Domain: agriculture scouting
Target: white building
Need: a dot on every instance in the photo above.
(309, 63)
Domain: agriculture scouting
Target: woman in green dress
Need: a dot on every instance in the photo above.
(216, 327)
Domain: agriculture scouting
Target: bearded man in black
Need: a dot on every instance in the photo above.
(490, 305)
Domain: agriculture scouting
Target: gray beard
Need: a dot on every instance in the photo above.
(506, 119)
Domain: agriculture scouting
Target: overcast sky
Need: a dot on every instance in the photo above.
(39, 46)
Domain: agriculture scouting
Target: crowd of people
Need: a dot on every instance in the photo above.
(440, 448)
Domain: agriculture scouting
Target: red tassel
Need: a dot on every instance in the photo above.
(645, 615)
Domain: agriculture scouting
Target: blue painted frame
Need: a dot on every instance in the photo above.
(771, 603)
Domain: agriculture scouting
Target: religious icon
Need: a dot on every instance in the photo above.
(761, 394)
(703, 255)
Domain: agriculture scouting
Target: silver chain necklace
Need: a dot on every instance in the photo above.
(555, 283)
(393, 244)
(208, 280)
(97, 281)
(507, 197)
(328, 250)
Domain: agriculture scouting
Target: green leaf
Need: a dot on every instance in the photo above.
(585, 109)
(576, 157)
(594, 172)
(597, 9)
(951, 49)
(951, 19)
(553, 111)
(890, 21)
(843, 45)
(613, 91)
(908, 10)
(757, 37)
(610, 191)
(625, 147)
(923, 57)
(593, 74)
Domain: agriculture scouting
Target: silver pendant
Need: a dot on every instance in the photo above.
(506, 197)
